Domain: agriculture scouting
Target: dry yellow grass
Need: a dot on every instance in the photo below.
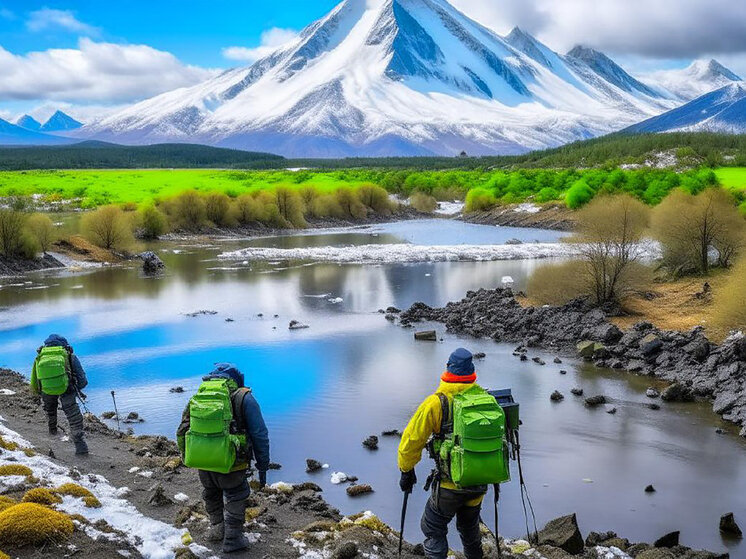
(30, 523)
(73, 489)
(42, 496)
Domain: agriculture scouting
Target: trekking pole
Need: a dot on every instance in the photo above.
(81, 397)
(403, 516)
(116, 411)
(496, 487)
(524, 491)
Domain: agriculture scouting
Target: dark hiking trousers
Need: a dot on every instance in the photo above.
(442, 506)
(71, 409)
(225, 495)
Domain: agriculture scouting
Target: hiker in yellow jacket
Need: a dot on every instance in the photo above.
(446, 501)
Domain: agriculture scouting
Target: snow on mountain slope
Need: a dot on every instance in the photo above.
(701, 77)
(397, 77)
(723, 110)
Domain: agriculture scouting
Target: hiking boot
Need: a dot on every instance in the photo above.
(81, 447)
(216, 532)
(234, 537)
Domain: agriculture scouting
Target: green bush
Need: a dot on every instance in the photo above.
(290, 206)
(152, 223)
(247, 209)
(217, 209)
(423, 202)
(729, 308)
(479, 199)
(41, 229)
(375, 198)
(15, 239)
(547, 194)
(351, 206)
(188, 211)
(108, 227)
(579, 194)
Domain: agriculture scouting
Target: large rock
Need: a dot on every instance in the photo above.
(677, 392)
(587, 348)
(724, 402)
(669, 540)
(650, 344)
(564, 533)
(426, 336)
(151, 263)
(607, 333)
(729, 527)
(656, 554)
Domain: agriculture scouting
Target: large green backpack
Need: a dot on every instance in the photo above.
(53, 370)
(216, 437)
(471, 448)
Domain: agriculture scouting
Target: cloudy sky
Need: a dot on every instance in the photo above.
(89, 56)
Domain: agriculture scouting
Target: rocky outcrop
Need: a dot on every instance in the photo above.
(699, 367)
(151, 263)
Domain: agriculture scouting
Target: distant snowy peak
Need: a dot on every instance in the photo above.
(60, 122)
(701, 77)
(723, 110)
(14, 135)
(610, 71)
(29, 123)
(527, 44)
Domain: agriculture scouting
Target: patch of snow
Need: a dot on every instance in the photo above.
(6, 392)
(282, 487)
(123, 492)
(449, 208)
(181, 497)
(134, 469)
(335, 300)
(527, 208)
(338, 477)
(148, 474)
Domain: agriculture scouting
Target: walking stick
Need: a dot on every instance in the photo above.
(116, 411)
(403, 517)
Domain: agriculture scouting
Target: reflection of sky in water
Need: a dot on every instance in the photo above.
(351, 374)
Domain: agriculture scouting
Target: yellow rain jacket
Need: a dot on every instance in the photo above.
(424, 423)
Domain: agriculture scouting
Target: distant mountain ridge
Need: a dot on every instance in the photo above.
(402, 78)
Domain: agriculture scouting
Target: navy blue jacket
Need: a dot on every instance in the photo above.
(256, 429)
(79, 378)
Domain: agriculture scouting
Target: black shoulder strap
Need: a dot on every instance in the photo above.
(237, 399)
(446, 421)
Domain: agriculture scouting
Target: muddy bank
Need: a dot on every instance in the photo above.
(13, 267)
(697, 367)
(148, 505)
(547, 216)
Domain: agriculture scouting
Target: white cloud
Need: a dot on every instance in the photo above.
(47, 18)
(664, 29)
(271, 39)
(5, 13)
(94, 72)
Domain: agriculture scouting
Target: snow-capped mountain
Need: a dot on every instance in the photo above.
(397, 77)
(13, 135)
(29, 123)
(60, 122)
(723, 110)
(701, 77)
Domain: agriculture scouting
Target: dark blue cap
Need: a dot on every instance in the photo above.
(460, 363)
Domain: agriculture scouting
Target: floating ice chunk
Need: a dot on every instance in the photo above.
(335, 300)
(338, 477)
(507, 281)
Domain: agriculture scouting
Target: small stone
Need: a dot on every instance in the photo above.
(557, 396)
(650, 489)
(229, 320)
(275, 466)
(538, 360)
(391, 433)
(480, 355)
(108, 415)
(159, 497)
(654, 407)
(557, 360)
(677, 392)
(348, 550)
(563, 372)
(357, 490)
(295, 325)
(577, 391)
(51, 454)
(177, 390)
(524, 357)
(729, 527)
(371, 443)
(594, 401)
(611, 410)
(312, 465)
(652, 392)
(426, 336)
(563, 533)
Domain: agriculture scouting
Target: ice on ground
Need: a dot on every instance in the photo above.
(335, 300)
(181, 498)
(507, 281)
(382, 254)
(148, 474)
(450, 208)
(338, 477)
(152, 538)
(282, 487)
(527, 208)
(6, 392)
(134, 469)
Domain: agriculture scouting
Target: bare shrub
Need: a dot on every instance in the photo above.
(690, 228)
(423, 202)
(290, 205)
(108, 227)
(187, 211)
(375, 198)
(558, 283)
(42, 229)
(15, 240)
(729, 306)
(151, 222)
(247, 209)
(217, 209)
(352, 207)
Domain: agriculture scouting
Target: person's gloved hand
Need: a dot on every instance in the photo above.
(407, 481)
(262, 479)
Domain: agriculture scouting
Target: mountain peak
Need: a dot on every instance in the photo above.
(610, 70)
(60, 122)
(711, 69)
(529, 45)
(29, 123)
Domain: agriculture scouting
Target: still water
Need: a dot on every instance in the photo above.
(352, 374)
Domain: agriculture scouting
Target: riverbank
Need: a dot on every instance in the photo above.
(696, 367)
(148, 505)
(538, 216)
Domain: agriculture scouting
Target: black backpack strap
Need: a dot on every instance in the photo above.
(237, 399)
(446, 421)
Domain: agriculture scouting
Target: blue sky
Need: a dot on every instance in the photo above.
(89, 57)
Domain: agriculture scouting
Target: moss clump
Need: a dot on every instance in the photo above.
(366, 520)
(6, 502)
(29, 452)
(91, 502)
(31, 523)
(252, 513)
(8, 445)
(15, 470)
(73, 489)
(4, 555)
(42, 496)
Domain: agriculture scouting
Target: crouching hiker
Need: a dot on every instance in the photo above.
(222, 428)
(463, 428)
(58, 377)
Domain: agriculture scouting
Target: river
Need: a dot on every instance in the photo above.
(352, 374)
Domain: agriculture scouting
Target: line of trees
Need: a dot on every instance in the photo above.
(24, 235)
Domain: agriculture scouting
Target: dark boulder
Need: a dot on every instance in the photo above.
(312, 465)
(371, 443)
(426, 336)
(557, 396)
(357, 490)
(650, 344)
(729, 527)
(295, 325)
(577, 391)
(594, 401)
(176, 390)
(677, 392)
(564, 533)
(151, 263)
(595, 538)
(607, 333)
(348, 550)
(669, 540)
(650, 489)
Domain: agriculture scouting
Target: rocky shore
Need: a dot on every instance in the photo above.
(13, 267)
(132, 497)
(694, 365)
(544, 216)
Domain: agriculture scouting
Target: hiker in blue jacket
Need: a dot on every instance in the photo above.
(225, 494)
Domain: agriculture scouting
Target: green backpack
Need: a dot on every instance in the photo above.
(471, 448)
(215, 436)
(53, 370)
